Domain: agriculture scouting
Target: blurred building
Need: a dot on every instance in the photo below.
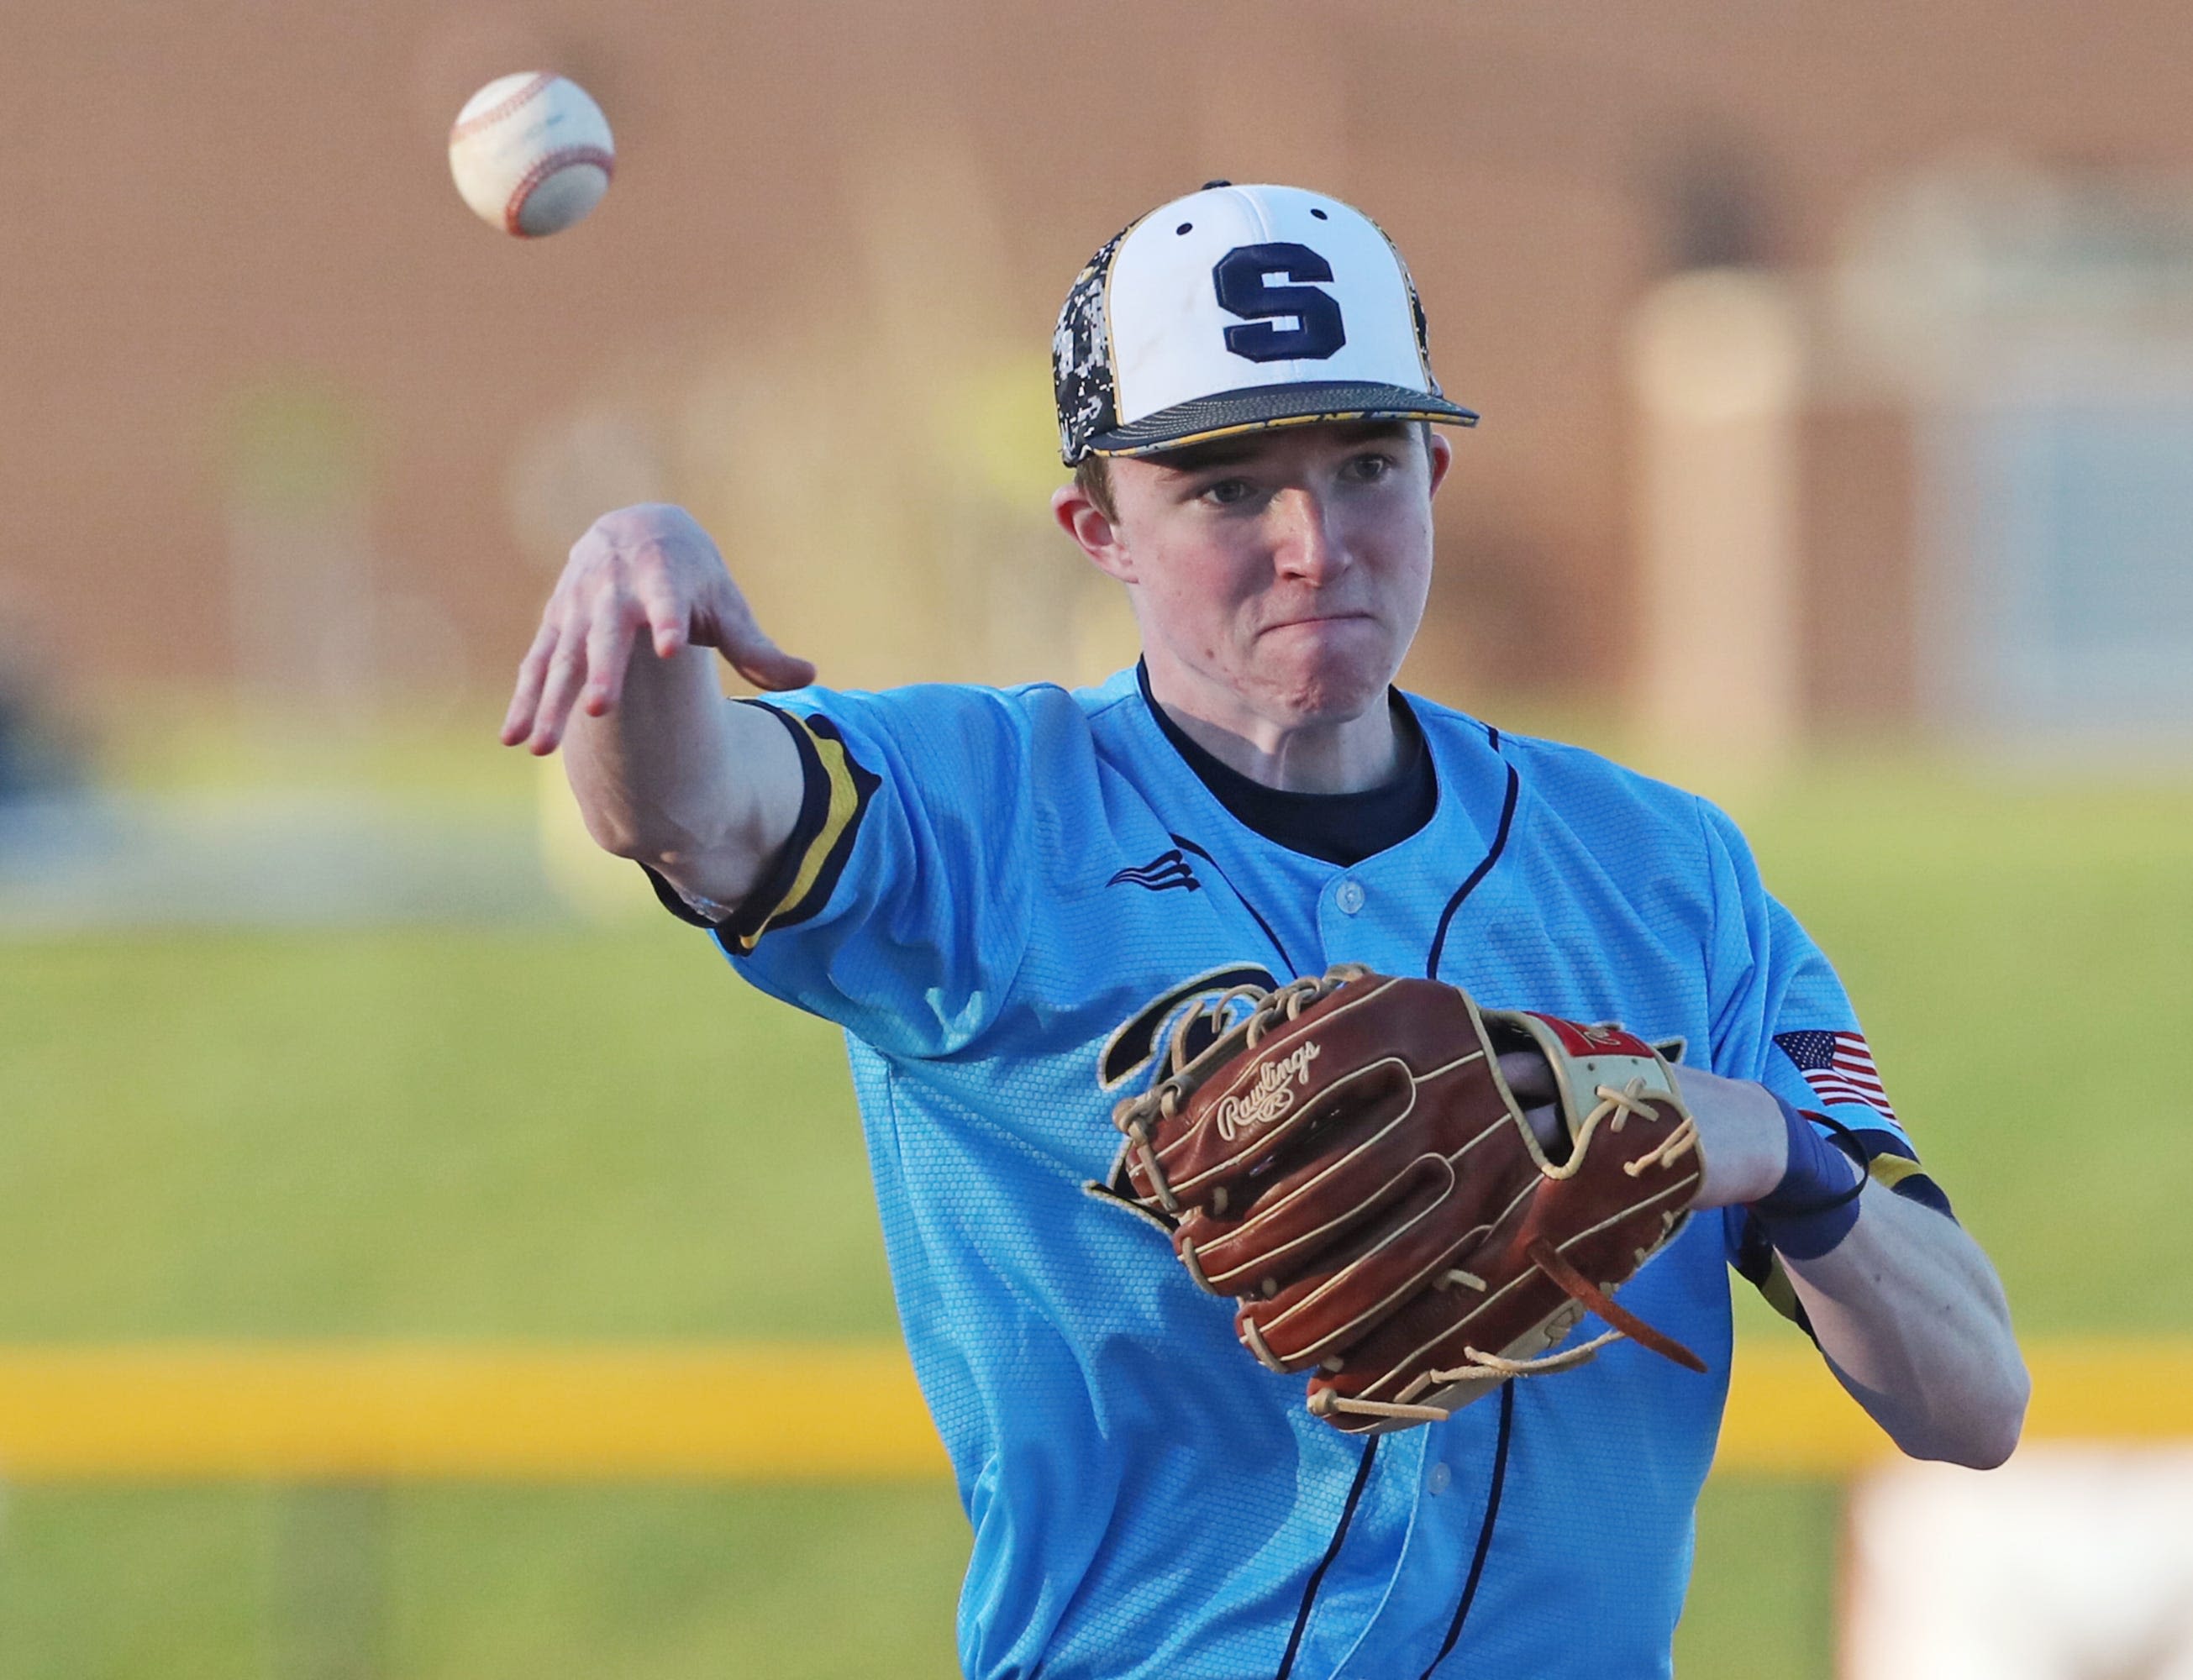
(286, 418)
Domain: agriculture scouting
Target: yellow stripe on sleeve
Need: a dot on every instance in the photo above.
(1890, 1170)
(846, 801)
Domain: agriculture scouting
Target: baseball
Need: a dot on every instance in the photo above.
(531, 153)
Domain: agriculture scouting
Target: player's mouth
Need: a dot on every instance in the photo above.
(1310, 619)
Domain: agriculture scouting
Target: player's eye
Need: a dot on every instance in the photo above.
(1369, 468)
(1228, 492)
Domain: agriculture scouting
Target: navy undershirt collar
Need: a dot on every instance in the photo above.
(1335, 828)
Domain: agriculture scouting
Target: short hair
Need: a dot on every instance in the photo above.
(1092, 474)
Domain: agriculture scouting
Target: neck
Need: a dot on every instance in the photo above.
(1348, 755)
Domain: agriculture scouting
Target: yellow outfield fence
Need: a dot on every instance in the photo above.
(190, 1411)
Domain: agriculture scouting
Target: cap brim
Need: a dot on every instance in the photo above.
(1263, 407)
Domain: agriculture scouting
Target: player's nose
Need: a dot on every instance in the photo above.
(1307, 544)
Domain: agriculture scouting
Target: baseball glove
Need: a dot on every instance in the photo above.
(1346, 1158)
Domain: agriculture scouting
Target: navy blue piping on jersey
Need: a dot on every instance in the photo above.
(1499, 1478)
(1485, 1530)
(1484, 867)
(1285, 961)
(1332, 1551)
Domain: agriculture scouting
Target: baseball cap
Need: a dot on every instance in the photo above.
(1239, 309)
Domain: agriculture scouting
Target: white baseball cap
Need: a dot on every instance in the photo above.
(1238, 309)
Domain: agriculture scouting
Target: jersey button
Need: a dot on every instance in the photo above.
(1437, 1480)
(1350, 898)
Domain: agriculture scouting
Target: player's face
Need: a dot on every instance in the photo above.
(1289, 567)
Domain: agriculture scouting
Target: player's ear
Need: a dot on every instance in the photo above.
(1093, 530)
(1438, 453)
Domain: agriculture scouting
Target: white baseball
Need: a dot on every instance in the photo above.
(531, 153)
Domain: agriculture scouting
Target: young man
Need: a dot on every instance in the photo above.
(983, 885)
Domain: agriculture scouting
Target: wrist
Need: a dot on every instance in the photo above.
(1815, 1203)
(1740, 1134)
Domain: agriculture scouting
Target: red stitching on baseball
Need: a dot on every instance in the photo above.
(495, 113)
(561, 159)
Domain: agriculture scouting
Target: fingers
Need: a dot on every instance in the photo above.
(766, 665)
(566, 670)
(1529, 1076)
(749, 648)
(668, 616)
(576, 661)
(609, 647)
(532, 673)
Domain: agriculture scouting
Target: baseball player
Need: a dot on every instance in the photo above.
(1010, 899)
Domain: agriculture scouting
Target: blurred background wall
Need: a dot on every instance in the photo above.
(1836, 365)
(285, 420)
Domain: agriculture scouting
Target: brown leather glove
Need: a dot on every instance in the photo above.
(1346, 1159)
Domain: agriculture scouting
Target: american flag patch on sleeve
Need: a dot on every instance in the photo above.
(1838, 1066)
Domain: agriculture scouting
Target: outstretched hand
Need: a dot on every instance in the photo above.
(649, 569)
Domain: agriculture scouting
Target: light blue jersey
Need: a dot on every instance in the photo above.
(983, 886)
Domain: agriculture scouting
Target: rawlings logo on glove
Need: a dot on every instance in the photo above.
(1346, 1160)
(1269, 1098)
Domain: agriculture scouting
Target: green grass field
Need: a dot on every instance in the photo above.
(567, 1132)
